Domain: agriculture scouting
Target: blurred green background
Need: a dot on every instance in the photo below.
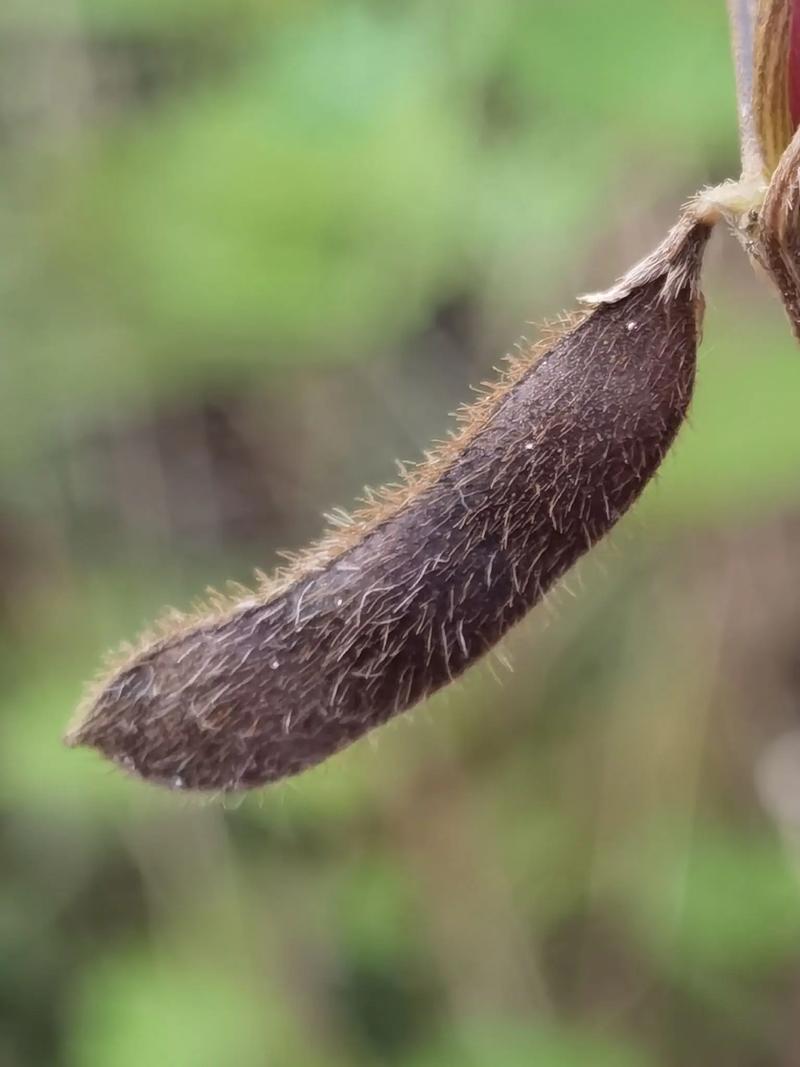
(250, 252)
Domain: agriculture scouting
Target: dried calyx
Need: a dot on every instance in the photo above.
(430, 574)
(762, 207)
(776, 239)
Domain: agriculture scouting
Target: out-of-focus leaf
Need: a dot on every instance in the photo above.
(730, 905)
(518, 1046)
(123, 15)
(280, 218)
(662, 102)
(133, 1009)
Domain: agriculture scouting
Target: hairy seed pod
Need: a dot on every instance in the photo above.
(777, 238)
(423, 583)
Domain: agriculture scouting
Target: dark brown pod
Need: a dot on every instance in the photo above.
(424, 583)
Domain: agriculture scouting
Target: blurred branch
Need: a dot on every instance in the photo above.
(743, 16)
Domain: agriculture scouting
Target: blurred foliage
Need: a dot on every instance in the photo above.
(251, 252)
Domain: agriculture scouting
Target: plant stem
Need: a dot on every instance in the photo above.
(743, 15)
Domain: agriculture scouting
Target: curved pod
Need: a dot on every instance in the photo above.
(423, 585)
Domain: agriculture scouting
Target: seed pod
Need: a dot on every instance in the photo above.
(776, 243)
(422, 583)
(775, 234)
